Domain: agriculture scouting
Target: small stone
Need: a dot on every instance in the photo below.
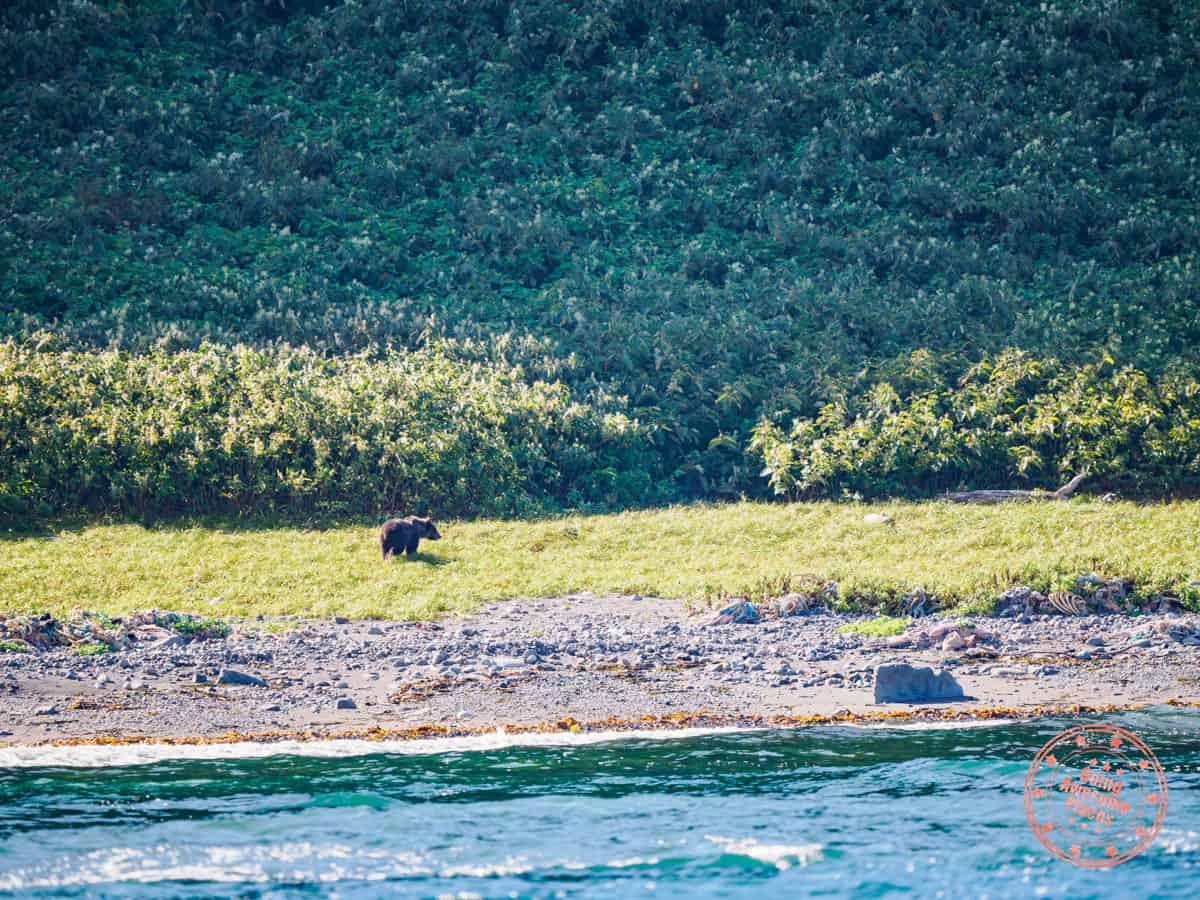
(346, 703)
(199, 678)
(1095, 641)
(877, 519)
(375, 630)
(46, 711)
(952, 642)
(103, 681)
(1084, 654)
(340, 620)
(636, 598)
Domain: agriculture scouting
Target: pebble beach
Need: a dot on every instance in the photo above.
(578, 658)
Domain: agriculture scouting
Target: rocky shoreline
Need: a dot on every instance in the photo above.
(579, 658)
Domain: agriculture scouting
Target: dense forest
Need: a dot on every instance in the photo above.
(500, 256)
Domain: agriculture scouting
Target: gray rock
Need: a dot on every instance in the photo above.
(346, 703)
(232, 676)
(1095, 641)
(46, 711)
(952, 642)
(877, 519)
(199, 678)
(902, 683)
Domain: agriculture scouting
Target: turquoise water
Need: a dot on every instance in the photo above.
(837, 812)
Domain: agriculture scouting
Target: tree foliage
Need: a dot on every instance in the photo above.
(222, 429)
(1011, 418)
(717, 211)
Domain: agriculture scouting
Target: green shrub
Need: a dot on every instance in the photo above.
(227, 429)
(202, 628)
(720, 211)
(13, 647)
(1011, 420)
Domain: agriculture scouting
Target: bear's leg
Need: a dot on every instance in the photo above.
(412, 545)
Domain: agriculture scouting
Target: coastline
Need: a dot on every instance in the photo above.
(581, 665)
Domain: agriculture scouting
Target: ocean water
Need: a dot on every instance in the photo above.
(830, 812)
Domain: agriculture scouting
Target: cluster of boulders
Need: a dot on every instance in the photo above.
(817, 596)
(45, 632)
(1091, 595)
(951, 638)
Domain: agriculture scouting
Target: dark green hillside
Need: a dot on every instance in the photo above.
(693, 214)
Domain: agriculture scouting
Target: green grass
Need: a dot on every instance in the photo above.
(880, 626)
(963, 555)
(96, 649)
(13, 647)
(201, 627)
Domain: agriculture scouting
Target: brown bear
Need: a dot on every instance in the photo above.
(398, 536)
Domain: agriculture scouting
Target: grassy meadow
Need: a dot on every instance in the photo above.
(965, 555)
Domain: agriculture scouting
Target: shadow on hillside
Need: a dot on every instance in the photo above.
(47, 528)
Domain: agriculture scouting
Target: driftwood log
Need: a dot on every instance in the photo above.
(1005, 496)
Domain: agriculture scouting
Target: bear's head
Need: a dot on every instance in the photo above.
(428, 529)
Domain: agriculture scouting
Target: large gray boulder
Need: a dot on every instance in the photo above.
(232, 676)
(902, 683)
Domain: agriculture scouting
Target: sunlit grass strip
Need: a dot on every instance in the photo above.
(959, 554)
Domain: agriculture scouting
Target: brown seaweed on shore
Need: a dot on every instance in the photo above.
(669, 722)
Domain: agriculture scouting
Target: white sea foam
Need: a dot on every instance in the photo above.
(101, 755)
(98, 755)
(284, 862)
(782, 856)
(936, 726)
(1176, 840)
